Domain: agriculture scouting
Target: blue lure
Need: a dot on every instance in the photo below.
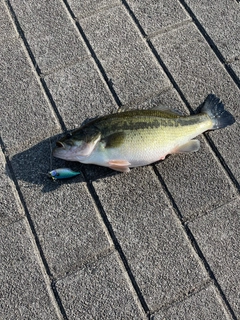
(62, 173)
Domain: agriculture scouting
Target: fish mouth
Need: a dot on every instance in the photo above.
(65, 151)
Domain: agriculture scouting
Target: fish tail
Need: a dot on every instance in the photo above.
(214, 107)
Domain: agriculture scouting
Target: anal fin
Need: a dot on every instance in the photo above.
(119, 165)
(190, 146)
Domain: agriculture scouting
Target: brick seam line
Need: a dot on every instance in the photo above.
(211, 44)
(35, 65)
(8, 161)
(177, 88)
(63, 127)
(118, 248)
(55, 109)
(194, 244)
(218, 155)
(50, 286)
(89, 184)
(93, 54)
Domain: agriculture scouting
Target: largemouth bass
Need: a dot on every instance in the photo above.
(139, 137)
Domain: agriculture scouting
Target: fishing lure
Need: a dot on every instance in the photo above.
(62, 173)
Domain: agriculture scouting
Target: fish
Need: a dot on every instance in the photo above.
(62, 173)
(133, 138)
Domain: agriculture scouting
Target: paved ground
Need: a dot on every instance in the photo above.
(161, 242)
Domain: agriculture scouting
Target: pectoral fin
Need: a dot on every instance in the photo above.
(119, 165)
(114, 140)
(191, 146)
(87, 148)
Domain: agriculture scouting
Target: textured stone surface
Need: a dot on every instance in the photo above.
(158, 15)
(158, 253)
(88, 7)
(125, 57)
(236, 66)
(214, 16)
(10, 207)
(205, 304)
(80, 93)
(218, 236)
(6, 27)
(99, 291)
(64, 216)
(23, 289)
(50, 49)
(190, 175)
(200, 76)
(26, 117)
(104, 244)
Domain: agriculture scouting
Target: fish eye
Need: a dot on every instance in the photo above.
(59, 144)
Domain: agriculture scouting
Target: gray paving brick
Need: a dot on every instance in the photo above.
(222, 23)
(218, 237)
(57, 47)
(125, 57)
(99, 291)
(80, 93)
(63, 213)
(24, 293)
(180, 172)
(198, 72)
(236, 66)
(26, 116)
(6, 27)
(202, 305)
(10, 206)
(189, 175)
(156, 15)
(152, 239)
(168, 98)
(89, 7)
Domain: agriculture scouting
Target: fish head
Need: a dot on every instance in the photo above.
(78, 145)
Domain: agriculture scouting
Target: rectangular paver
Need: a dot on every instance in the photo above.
(50, 49)
(26, 116)
(181, 172)
(88, 7)
(99, 290)
(6, 26)
(218, 236)
(80, 93)
(63, 212)
(155, 16)
(124, 55)
(190, 175)
(221, 20)
(24, 293)
(158, 253)
(198, 72)
(205, 304)
(236, 66)
(10, 206)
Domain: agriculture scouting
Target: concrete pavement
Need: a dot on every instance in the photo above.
(161, 242)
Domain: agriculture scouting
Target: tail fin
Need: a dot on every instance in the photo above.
(215, 109)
